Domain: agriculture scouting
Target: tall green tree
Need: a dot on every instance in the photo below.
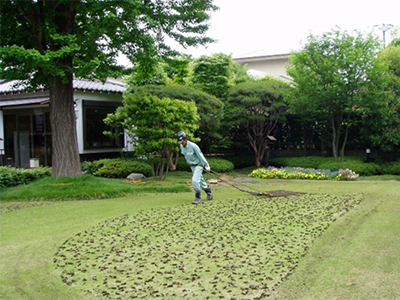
(154, 123)
(47, 42)
(216, 73)
(209, 109)
(335, 73)
(383, 122)
(256, 107)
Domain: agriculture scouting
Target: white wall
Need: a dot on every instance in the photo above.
(1, 133)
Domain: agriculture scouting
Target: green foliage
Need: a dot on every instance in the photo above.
(304, 173)
(358, 166)
(335, 74)
(154, 123)
(46, 43)
(117, 167)
(216, 73)
(85, 187)
(382, 124)
(218, 165)
(253, 109)
(115, 122)
(88, 29)
(302, 161)
(391, 168)
(355, 164)
(166, 72)
(240, 161)
(209, 107)
(10, 176)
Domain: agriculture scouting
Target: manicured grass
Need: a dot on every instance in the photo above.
(87, 187)
(356, 257)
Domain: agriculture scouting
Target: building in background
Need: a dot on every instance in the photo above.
(25, 131)
(260, 64)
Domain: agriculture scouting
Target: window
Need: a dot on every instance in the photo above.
(94, 114)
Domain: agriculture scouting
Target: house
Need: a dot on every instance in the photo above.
(261, 64)
(25, 131)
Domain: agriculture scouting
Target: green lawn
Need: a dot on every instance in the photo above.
(356, 257)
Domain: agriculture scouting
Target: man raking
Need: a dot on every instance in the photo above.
(195, 158)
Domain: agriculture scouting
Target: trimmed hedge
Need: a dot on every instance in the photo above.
(117, 167)
(241, 161)
(10, 176)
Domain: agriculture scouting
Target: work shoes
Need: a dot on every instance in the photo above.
(209, 197)
(196, 201)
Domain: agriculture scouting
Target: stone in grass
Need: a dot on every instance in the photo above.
(135, 176)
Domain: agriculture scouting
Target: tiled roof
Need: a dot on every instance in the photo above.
(24, 102)
(91, 85)
(110, 86)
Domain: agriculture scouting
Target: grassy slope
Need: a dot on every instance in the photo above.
(357, 258)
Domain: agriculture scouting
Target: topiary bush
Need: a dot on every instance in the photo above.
(117, 167)
(10, 176)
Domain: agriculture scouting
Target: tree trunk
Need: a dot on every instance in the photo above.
(172, 160)
(66, 161)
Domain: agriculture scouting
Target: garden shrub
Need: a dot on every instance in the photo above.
(303, 161)
(354, 163)
(240, 161)
(360, 167)
(117, 167)
(218, 165)
(391, 168)
(10, 176)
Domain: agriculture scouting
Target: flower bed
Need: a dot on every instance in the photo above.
(303, 173)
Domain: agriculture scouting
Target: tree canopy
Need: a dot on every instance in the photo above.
(209, 108)
(216, 73)
(154, 123)
(47, 42)
(256, 107)
(333, 75)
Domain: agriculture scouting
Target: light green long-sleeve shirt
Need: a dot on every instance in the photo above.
(193, 155)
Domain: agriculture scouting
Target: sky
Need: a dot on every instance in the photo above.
(247, 27)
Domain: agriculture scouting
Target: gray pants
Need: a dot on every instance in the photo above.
(197, 179)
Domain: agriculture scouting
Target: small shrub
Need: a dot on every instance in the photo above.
(10, 176)
(117, 167)
(220, 165)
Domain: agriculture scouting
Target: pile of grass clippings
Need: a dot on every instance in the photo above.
(236, 249)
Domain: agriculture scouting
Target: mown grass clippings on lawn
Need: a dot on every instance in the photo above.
(237, 249)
